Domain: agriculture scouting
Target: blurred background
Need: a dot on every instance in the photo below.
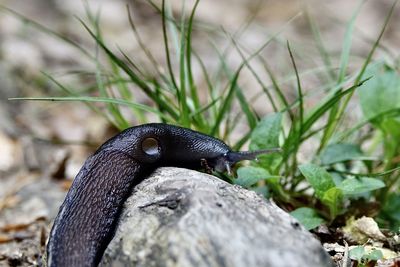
(43, 144)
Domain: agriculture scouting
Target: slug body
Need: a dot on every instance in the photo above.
(87, 219)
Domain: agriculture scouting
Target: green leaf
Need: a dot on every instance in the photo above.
(274, 184)
(327, 103)
(266, 133)
(357, 253)
(333, 198)
(248, 176)
(392, 126)
(341, 152)
(380, 94)
(318, 177)
(374, 255)
(391, 137)
(390, 212)
(360, 185)
(307, 217)
(262, 190)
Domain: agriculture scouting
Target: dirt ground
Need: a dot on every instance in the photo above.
(43, 144)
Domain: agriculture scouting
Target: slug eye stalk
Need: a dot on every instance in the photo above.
(230, 158)
(249, 155)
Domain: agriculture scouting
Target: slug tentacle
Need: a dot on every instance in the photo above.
(227, 160)
(249, 155)
(89, 214)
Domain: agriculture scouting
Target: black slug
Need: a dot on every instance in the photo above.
(87, 219)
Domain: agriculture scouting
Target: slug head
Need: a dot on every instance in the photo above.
(226, 161)
(157, 145)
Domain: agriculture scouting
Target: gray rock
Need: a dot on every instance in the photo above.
(179, 217)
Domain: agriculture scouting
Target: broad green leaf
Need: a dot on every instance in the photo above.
(391, 211)
(374, 255)
(380, 102)
(357, 253)
(391, 126)
(262, 190)
(360, 185)
(270, 161)
(248, 176)
(266, 135)
(337, 178)
(380, 94)
(318, 177)
(391, 136)
(274, 184)
(341, 152)
(307, 217)
(333, 198)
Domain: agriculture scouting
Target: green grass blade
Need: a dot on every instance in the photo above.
(344, 61)
(376, 44)
(166, 45)
(182, 73)
(346, 48)
(233, 82)
(278, 89)
(141, 43)
(328, 104)
(321, 46)
(71, 93)
(365, 64)
(226, 103)
(192, 84)
(112, 108)
(256, 76)
(135, 78)
(299, 90)
(97, 100)
(297, 130)
(387, 114)
(49, 31)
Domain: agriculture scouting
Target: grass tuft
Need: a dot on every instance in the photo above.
(347, 166)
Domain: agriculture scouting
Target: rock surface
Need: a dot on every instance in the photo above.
(179, 217)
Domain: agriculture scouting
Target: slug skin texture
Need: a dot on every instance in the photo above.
(87, 219)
